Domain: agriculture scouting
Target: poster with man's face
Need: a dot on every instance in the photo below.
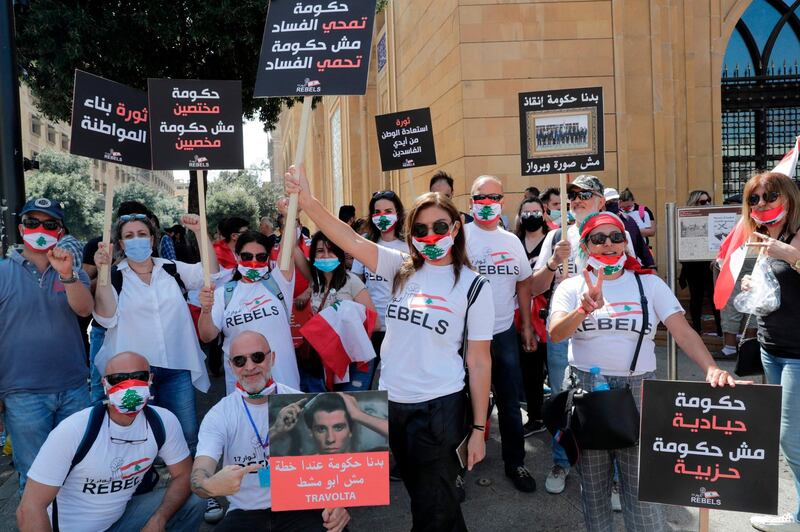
(329, 449)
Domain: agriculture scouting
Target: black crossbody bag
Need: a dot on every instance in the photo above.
(580, 419)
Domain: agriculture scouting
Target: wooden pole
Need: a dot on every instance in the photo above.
(704, 521)
(102, 276)
(562, 183)
(290, 224)
(201, 203)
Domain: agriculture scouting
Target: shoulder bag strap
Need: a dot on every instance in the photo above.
(645, 321)
(472, 296)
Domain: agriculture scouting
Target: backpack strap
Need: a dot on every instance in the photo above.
(172, 269)
(156, 425)
(96, 417)
(230, 286)
(268, 282)
(641, 212)
(556, 240)
(116, 279)
(472, 295)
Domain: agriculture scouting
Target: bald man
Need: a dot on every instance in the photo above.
(499, 256)
(237, 429)
(96, 466)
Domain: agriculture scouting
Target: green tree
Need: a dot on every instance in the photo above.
(266, 194)
(168, 209)
(66, 178)
(231, 201)
(131, 399)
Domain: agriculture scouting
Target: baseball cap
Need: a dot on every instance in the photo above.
(45, 205)
(611, 194)
(587, 182)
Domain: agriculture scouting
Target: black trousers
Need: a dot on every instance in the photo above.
(533, 365)
(423, 438)
(699, 277)
(269, 521)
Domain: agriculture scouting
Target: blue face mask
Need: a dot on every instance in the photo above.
(138, 249)
(326, 265)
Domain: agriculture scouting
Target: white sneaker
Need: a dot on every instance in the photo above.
(616, 503)
(214, 512)
(556, 480)
(775, 523)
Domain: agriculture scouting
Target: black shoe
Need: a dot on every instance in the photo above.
(532, 427)
(462, 493)
(522, 479)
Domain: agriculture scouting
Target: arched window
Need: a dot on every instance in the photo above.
(760, 90)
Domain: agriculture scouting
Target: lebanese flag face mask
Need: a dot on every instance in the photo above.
(433, 247)
(608, 264)
(129, 397)
(769, 216)
(384, 222)
(40, 239)
(252, 270)
(486, 211)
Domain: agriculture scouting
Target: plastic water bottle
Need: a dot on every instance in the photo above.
(599, 383)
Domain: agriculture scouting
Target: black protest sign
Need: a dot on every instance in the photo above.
(109, 121)
(196, 124)
(710, 447)
(405, 139)
(315, 48)
(561, 131)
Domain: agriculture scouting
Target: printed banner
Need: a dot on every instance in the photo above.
(315, 48)
(710, 447)
(109, 121)
(561, 131)
(329, 450)
(702, 229)
(196, 124)
(405, 139)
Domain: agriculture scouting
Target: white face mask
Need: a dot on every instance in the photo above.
(602, 266)
(434, 248)
(486, 213)
(128, 397)
(384, 222)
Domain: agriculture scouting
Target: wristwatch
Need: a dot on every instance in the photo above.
(68, 280)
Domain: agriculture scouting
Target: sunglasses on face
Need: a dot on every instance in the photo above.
(768, 197)
(125, 218)
(580, 194)
(247, 256)
(600, 238)
(440, 227)
(493, 197)
(115, 378)
(707, 201)
(33, 223)
(532, 214)
(240, 360)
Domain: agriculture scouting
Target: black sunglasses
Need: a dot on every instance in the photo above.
(580, 194)
(33, 223)
(240, 360)
(706, 202)
(493, 197)
(768, 197)
(532, 214)
(115, 378)
(384, 194)
(440, 227)
(246, 256)
(125, 218)
(600, 238)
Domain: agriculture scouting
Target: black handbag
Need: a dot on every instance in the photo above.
(748, 355)
(580, 419)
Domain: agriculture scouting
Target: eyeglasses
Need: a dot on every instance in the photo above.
(384, 194)
(532, 214)
(125, 218)
(580, 194)
(33, 223)
(247, 256)
(240, 360)
(122, 440)
(493, 197)
(707, 201)
(115, 378)
(440, 227)
(768, 197)
(600, 238)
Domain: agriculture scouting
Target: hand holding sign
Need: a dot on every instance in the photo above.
(104, 254)
(592, 298)
(335, 519)
(295, 182)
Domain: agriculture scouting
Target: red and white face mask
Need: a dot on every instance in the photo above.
(40, 239)
(768, 217)
(252, 270)
(433, 247)
(486, 211)
(128, 397)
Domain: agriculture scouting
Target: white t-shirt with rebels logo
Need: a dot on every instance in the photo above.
(424, 327)
(254, 308)
(95, 493)
(379, 288)
(499, 256)
(226, 431)
(607, 338)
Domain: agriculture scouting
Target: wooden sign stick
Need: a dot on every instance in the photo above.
(102, 276)
(290, 224)
(562, 183)
(704, 520)
(201, 202)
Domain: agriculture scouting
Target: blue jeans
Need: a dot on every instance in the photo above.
(786, 372)
(97, 336)
(141, 507)
(172, 389)
(310, 383)
(360, 381)
(31, 416)
(507, 384)
(557, 362)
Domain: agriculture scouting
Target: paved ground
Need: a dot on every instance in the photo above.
(492, 503)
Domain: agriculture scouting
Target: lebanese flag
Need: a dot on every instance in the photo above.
(733, 249)
(340, 334)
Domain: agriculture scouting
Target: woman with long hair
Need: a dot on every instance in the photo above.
(421, 366)
(771, 211)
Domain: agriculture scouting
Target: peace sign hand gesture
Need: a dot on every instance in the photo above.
(592, 297)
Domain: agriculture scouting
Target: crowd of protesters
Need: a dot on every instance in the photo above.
(475, 310)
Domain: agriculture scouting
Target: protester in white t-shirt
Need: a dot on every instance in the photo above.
(98, 493)
(641, 215)
(421, 367)
(499, 255)
(238, 430)
(602, 316)
(247, 303)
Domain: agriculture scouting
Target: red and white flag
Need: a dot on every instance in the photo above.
(733, 249)
(340, 334)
